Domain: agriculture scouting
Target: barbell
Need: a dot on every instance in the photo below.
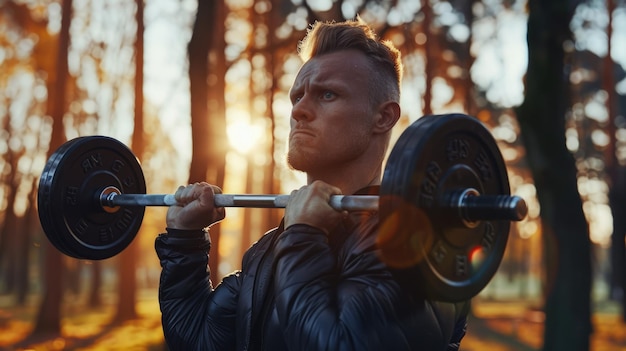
(444, 204)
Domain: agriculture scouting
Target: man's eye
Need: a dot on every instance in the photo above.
(296, 99)
(328, 95)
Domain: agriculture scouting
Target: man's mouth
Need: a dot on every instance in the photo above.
(301, 132)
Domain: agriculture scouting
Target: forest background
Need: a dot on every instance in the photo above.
(198, 90)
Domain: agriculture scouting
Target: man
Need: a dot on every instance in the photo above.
(316, 282)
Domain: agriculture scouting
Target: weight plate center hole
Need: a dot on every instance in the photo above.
(106, 199)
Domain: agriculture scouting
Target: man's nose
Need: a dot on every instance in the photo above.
(301, 109)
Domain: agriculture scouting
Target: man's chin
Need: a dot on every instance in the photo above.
(295, 167)
(296, 164)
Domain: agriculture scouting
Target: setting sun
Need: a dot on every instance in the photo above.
(243, 135)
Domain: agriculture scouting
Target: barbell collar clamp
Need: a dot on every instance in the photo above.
(473, 207)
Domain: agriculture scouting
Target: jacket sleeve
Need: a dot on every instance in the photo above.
(194, 315)
(354, 304)
(460, 328)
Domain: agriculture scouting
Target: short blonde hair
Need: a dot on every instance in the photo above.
(386, 63)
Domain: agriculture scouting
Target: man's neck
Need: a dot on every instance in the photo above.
(349, 182)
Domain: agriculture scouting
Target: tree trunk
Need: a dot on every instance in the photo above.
(49, 314)
(127, 297)
(208, 129)
(429, 47)
(23, 261)
(95, 299)
(617, 201)
(467, 61)
(9, 228)
(565, 230)
(273, 60)
(616, 175)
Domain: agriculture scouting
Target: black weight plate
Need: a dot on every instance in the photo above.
(435, 157)
(45, 221)
(68, 197)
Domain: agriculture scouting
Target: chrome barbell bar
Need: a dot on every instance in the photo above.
(471, 206)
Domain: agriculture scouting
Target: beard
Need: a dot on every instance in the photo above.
(304, 158)
(299, 160)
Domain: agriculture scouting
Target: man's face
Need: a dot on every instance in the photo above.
(332, 117)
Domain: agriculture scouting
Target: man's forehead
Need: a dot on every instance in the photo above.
(336, 64)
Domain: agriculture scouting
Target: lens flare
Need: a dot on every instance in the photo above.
(477, 256)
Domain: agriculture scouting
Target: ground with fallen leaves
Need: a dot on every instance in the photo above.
(495, 326)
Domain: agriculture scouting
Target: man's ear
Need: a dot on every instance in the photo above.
(388, 115)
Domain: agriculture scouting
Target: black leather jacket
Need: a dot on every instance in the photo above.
(299, 289)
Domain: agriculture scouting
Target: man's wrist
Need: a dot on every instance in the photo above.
(185, 239)
(305, 228)
(187, 233)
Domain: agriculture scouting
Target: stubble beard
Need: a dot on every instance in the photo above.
(298, 160)
(312, 161)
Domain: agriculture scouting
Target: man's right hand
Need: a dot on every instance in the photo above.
(310, 205)
(196, 208)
